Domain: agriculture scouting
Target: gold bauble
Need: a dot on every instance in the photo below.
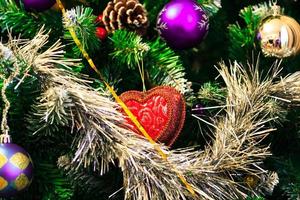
(279, 36)
(251, 181)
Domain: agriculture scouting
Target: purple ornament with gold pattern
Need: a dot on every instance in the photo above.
(182, 24)
(16, 170)
(38, 5)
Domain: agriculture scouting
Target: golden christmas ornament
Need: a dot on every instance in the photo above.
(251, 181)
(279, 35)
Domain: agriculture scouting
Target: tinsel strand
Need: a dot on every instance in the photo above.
(5, 138)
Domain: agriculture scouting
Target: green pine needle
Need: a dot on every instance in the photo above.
(242, 40)
(83, 22)
(210, 6)
(165, 68)
(129, 49)
(56, 184)
(212, 92)
(21, 21)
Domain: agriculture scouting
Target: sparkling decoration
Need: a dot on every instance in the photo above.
(16, 169)
(38, 5)
(101, 33)
(161, 111)
(279, 36)
(182, 23)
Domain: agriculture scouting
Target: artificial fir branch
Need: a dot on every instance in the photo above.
(83, 22)
(19, 20)
(13, 17)
(54, 181)
(162, 65)
(165, 68)
(129, 49)
(242, 39)
(212, 92)
(211, 6)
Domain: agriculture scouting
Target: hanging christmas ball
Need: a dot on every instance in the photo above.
(101, 33)
(16, 169)
(279, 36)
(198, 110)
(161, 111)
(38, 5)
(182, 23)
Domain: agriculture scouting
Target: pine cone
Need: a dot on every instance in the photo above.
(130, 14)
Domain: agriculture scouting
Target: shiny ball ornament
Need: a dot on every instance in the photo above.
(182, 24)
(38, 5)
(198, 110)
(16, 170)
(279, 36)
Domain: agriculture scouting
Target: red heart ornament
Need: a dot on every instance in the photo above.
(161, 111)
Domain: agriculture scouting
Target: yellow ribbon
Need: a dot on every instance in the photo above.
(122, 104)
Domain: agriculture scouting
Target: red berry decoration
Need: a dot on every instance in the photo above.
(161, 111)
(101, 33)
(99, 19)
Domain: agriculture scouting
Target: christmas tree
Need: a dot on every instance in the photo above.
(149, 100)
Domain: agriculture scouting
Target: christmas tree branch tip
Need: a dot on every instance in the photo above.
(128, 48)
(82, 20)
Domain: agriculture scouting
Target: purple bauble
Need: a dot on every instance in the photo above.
(198, 110)
(16, 170)
(182, 23)
(38, 5)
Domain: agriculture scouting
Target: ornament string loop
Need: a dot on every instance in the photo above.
(164, 156)
(274, 2)
(276, 10)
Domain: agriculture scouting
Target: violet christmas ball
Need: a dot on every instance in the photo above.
(16, 170)
(198, 110)
(182, 23)
(38, 5)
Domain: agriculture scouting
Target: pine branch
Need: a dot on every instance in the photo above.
(242, 40)
(212, 92)
(83, 22)
(22, 21)
(90, 184)
(165, 68)
(162, 64)
(128, 48)
(211, 6)
(57, 186)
